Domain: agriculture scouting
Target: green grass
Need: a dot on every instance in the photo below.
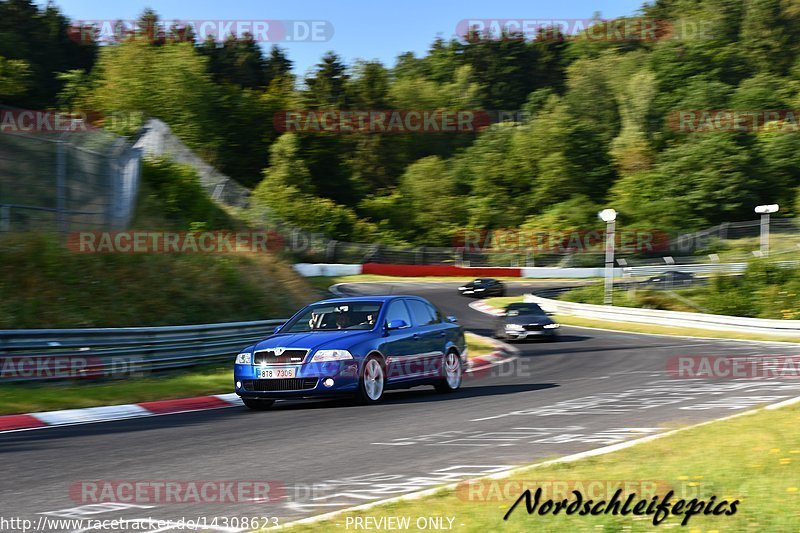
(35, 397)
(501, 302)
(781, 244)
(752, 458)
(478, 345)
(217, 379)
(633, 327)
(45, 285)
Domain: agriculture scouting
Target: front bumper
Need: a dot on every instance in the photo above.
(309, 380)
(539, 333)
(471, 292)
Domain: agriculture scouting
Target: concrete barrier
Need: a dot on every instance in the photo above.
(670, 318)
(326, 269)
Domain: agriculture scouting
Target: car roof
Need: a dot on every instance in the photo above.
(384, 298)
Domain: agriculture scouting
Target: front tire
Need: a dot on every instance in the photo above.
(453, 373)
(372, 382)
(257, 405)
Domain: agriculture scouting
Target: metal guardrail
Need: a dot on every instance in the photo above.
(37, 354)
(670, 318)
(709, 268)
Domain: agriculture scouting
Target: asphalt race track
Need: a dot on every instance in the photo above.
(590, 389)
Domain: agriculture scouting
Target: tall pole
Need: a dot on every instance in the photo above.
(765, 211)
(609, 281)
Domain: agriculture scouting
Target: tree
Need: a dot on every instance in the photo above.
(432, 193)
(326, 83)
(15, 77)
(238, 61)
(368, 88)
(35, 44)
(170, 82)
(286, 192)
(277, 66)
(703, 181)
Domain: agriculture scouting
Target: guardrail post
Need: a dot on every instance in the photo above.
(61, 186)
(5, 218)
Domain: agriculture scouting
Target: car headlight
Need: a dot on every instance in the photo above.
(551, 326)
(243, 358)
(476, 290)
(462, 288)
(514, 327)
(322, 356)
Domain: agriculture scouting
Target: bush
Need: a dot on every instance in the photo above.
(172, 197)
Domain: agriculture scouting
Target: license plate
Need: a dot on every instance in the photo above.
(276, 373)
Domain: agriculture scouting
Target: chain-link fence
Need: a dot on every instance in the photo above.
(67, 180)
(156, 139)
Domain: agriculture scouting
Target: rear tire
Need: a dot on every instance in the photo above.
(453, 373)
(257, 405)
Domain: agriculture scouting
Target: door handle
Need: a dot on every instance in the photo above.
(416, 336)
(442, 334)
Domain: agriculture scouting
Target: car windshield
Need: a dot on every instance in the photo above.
(334, 316)
(524, 309)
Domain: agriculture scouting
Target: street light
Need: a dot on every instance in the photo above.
(764, 211)
(609, 216)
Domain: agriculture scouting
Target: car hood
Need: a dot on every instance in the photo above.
(539, 320)
(314, 341)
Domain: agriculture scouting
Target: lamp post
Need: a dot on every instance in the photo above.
(765, 211)
(609, 216)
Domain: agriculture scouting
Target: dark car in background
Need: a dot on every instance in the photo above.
(525, 321)
(671, 278)
(483, 287)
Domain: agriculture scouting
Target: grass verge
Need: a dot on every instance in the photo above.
(753, 459)
(45, 285)
(633, 327)
(217, 379)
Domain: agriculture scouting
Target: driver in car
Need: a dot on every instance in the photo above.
(342, 320)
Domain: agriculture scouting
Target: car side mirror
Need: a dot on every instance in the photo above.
(277, 329)
(396, 324)
(452, 319)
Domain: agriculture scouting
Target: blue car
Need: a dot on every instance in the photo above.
(353, 346)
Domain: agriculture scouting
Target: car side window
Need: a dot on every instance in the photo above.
(437, 315)
(397, 311)
(421, 313)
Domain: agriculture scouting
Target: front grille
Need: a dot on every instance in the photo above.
(289, 356)
(273, 385)
(533, 327)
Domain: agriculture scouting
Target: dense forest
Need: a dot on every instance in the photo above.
(592, 121)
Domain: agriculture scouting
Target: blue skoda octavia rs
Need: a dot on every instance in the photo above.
(353, 346)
